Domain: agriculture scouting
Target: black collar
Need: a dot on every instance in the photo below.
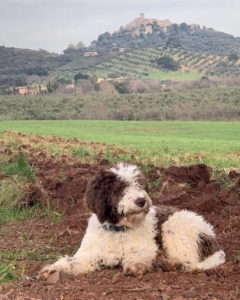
(115, 228)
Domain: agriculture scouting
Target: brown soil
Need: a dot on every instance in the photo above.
(62, 183)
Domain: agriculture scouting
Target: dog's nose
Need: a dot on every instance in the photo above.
(140, 202)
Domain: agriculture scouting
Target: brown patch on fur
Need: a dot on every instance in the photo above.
(207, 246)
(103, 193)
(142, 181)
(162, 215)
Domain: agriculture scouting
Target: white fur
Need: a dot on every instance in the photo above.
(126, 172)
(136, 248)
(127, 204)
(180, 240)
(101, 248)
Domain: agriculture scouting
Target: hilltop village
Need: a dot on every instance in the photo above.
(142, 24)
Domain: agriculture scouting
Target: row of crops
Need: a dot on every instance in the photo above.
(142, 62)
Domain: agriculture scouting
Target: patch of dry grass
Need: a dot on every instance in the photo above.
(12, 192)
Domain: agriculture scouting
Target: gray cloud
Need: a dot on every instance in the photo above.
(52, 25)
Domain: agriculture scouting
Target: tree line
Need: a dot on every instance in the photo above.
(170, 103)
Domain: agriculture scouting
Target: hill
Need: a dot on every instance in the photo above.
(23, 67)
(131, 51)
(18, 64)
(142, 33)
(142, 63)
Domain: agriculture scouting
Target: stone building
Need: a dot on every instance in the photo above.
(122, 49)
(136, 23)
(148, 28)
(193, 26)
(25, 90)
(90, 54)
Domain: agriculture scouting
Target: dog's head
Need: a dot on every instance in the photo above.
(117, 195)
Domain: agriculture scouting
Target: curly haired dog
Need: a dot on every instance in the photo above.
(126, 229)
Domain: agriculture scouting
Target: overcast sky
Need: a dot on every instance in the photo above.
(54, 24)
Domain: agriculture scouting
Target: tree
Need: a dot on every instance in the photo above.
(103, 38)
(106, 87)
(174, 42)
(40, 71)
(70, 49)
(113, 75)
(233, 57)
(141, 35)
(52, 86)
(168, 63)
(175, 27)
(80, 47)
(80, 76)
(184, 26)
(64, 80)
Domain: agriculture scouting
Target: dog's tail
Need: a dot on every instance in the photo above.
(215, 260)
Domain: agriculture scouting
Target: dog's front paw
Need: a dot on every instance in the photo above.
(136, 269)
(46, 272)
(169, 265)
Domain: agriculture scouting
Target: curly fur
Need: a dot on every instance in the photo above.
(118, 199)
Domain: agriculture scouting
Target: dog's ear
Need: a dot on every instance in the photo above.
(100, 193)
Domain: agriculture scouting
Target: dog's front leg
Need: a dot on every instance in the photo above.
(85, 260)
(138, 263)
(73, 265)
(81, 262)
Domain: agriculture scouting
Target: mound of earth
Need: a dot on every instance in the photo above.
(61, 189)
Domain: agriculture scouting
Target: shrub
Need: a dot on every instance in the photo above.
(168, 63)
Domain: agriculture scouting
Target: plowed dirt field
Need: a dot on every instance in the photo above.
(61, 184)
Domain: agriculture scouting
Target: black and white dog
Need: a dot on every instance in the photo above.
(126, 229)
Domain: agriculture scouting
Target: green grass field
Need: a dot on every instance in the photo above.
(216, 139)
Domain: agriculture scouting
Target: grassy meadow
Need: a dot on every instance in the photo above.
(214, 143)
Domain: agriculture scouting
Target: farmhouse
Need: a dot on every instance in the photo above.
(25, 90)
(90, 53)
(120, 79)
(122, 49)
